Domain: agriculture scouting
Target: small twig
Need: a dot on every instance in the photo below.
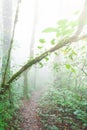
(84, 71)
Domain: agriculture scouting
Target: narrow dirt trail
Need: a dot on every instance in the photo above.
(29, 114)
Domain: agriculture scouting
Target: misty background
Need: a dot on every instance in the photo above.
(48, 13)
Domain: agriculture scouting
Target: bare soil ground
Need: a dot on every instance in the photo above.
(28, 111)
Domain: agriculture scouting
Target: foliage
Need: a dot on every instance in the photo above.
(64, 108)
(64, 28)
(7, 113)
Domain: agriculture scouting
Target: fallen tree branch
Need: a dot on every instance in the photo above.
(60, 44)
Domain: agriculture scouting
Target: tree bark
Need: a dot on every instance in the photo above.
(25, 89)
(8, 55)
(7, 21)
(7, 26)
(30, 63)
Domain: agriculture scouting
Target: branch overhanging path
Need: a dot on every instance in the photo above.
(31, 62)
(61, 43)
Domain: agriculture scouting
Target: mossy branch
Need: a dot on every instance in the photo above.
(31, 62)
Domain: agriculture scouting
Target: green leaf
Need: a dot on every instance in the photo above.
(73, 24)
(62, 22)
(73, 70)
(68, 66)
(58, 34)
(71, 56)
(46, 58)
(56, 67)
(49, 29)
(56, 53)
(42, 41)
(41, 64)
(74, 53)
(53, 41)
(12, 128)
(40, 47)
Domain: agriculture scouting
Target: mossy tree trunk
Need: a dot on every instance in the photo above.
(7, 22)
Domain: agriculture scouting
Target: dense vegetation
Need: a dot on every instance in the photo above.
(61, 109)
(64, 105)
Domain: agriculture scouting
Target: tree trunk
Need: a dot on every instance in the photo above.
(7, 22)
(25, 92)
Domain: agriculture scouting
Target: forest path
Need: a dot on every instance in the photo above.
(28, 111)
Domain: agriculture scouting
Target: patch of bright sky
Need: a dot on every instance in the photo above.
(49, 12)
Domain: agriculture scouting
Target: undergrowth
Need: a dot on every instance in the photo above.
(9, 112)
(64, 109)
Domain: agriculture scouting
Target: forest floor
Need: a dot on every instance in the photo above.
(29, 115)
